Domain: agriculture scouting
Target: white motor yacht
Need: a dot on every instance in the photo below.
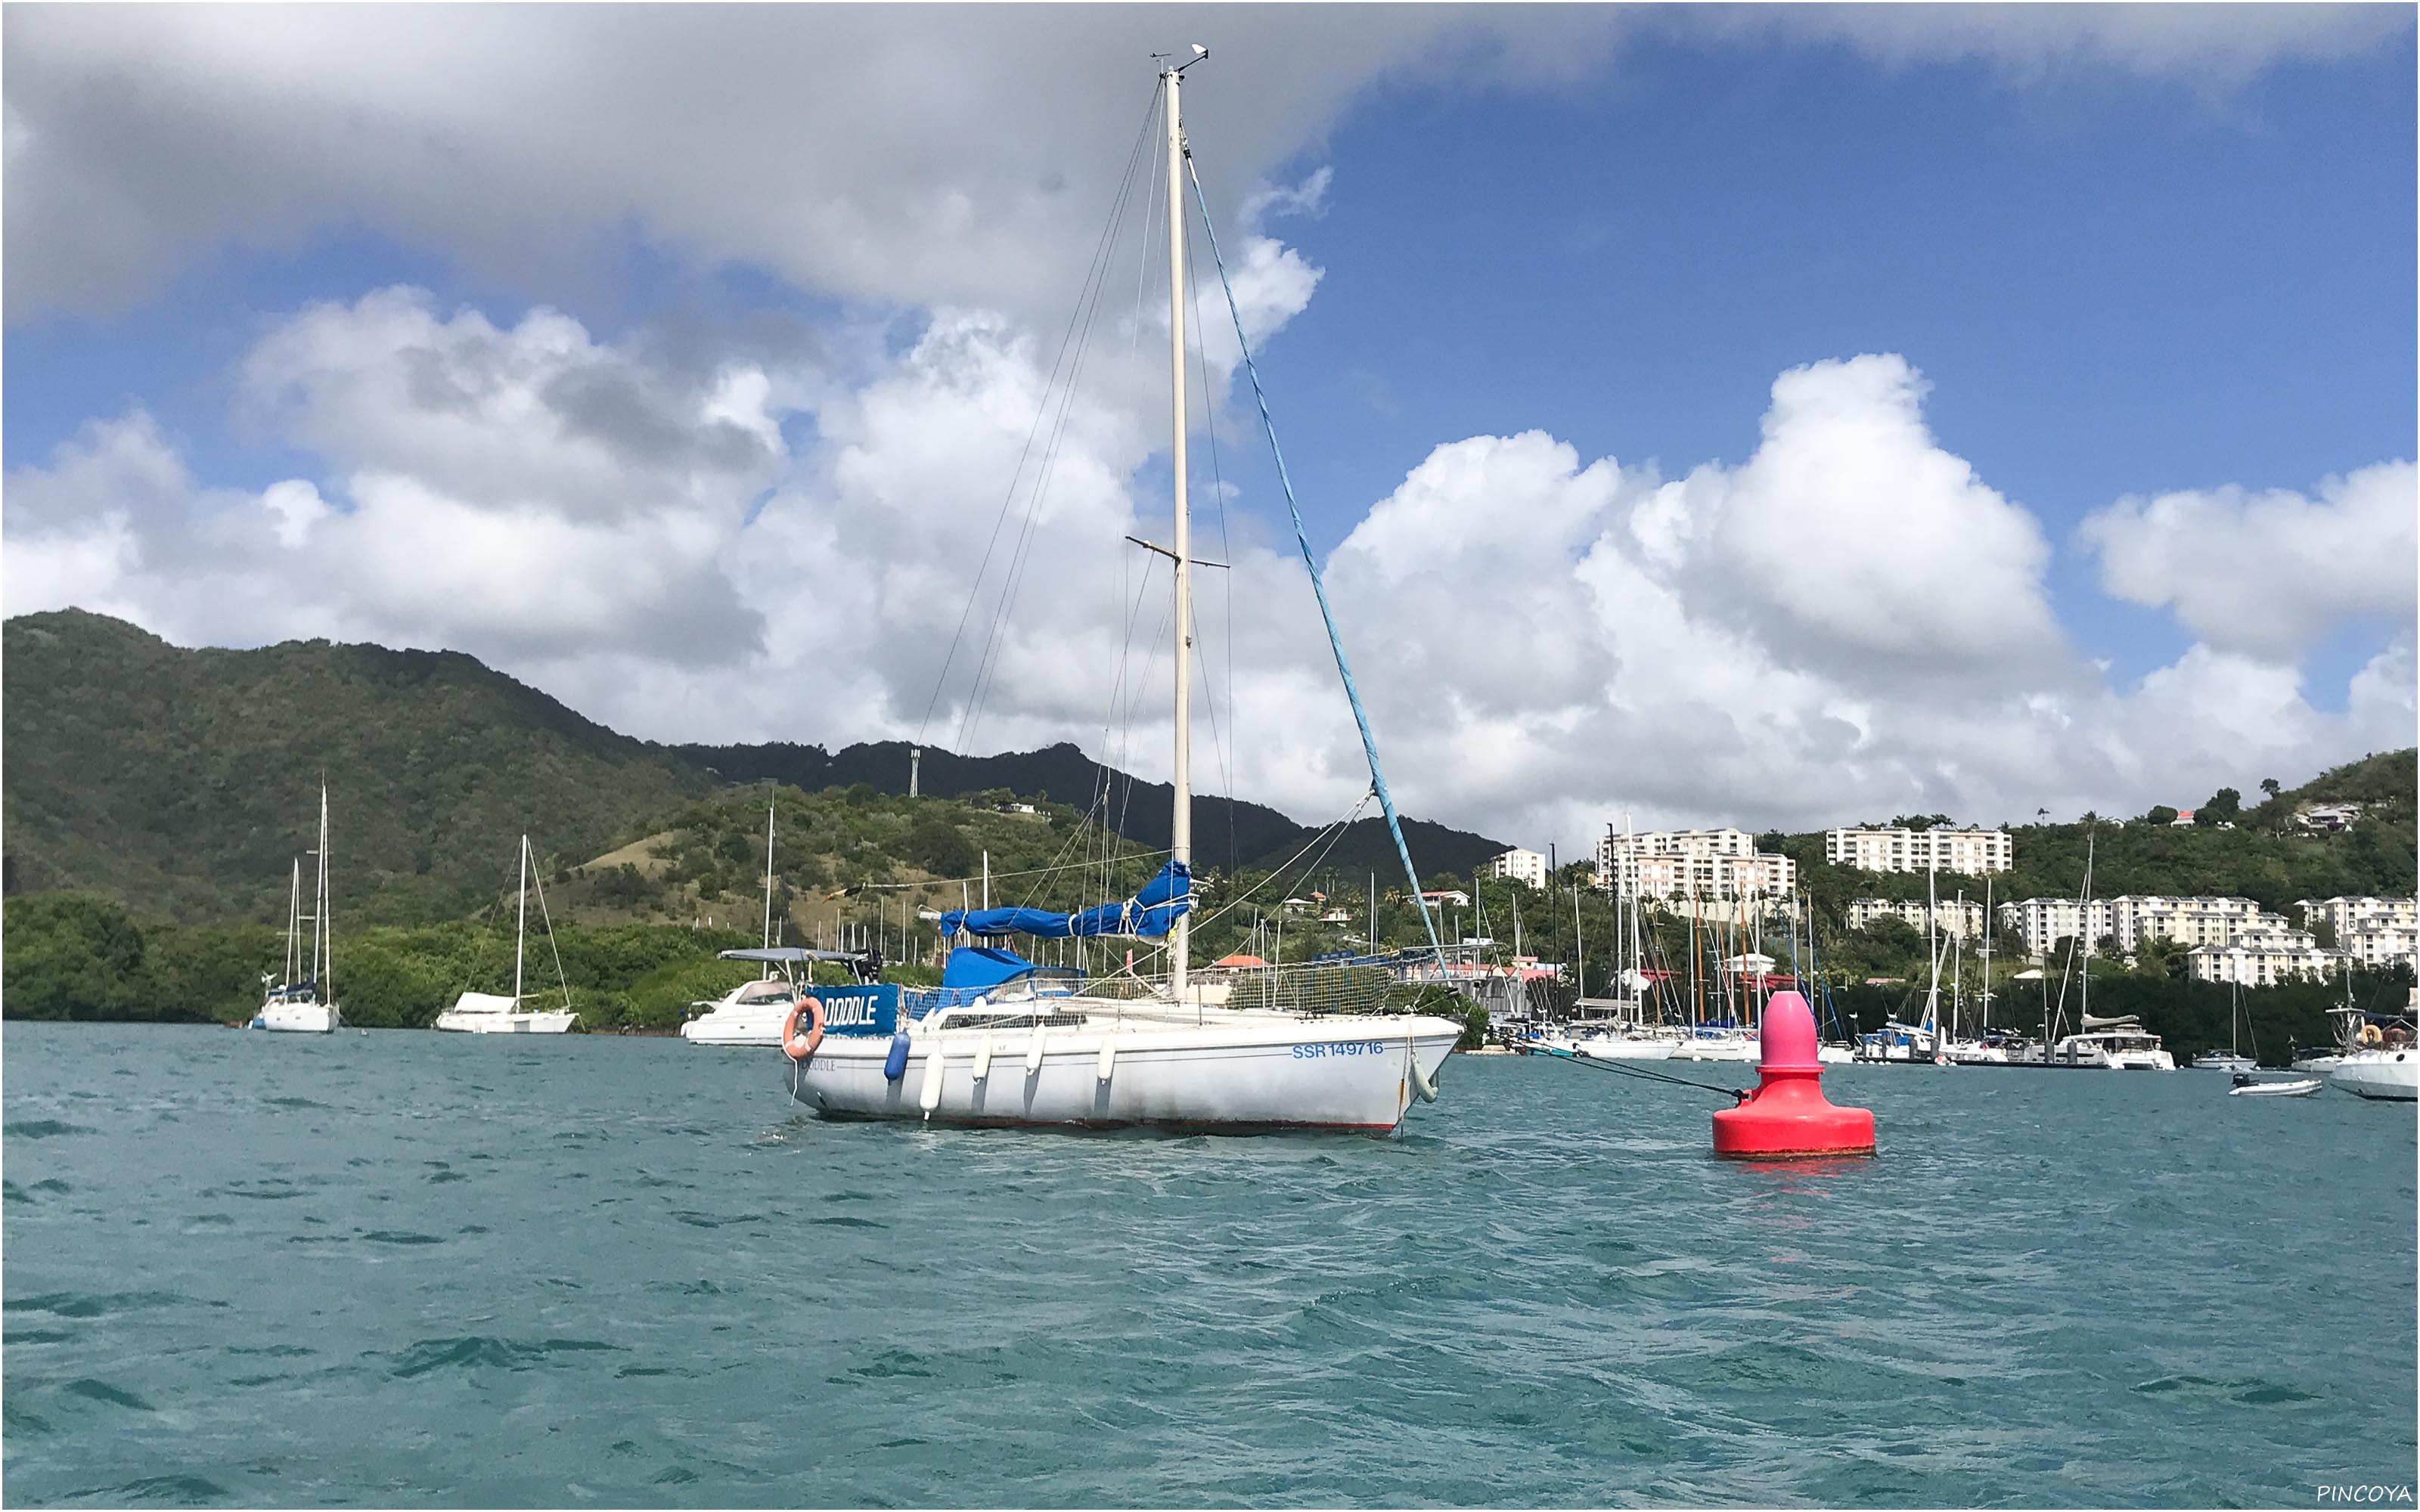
(2380, 1075)
(751, 1013)
(2380, 1061)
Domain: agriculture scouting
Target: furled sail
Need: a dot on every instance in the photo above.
(1151, 912)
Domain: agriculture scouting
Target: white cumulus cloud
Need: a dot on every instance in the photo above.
(2268, 573)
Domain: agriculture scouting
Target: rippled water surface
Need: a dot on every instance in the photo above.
(413, 1269)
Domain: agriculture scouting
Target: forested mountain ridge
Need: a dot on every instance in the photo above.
(185, 781)
(1231, 834)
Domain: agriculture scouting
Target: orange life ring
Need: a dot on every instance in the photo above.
(796, 1048)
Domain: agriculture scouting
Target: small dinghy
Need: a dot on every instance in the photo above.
(2246, 1087)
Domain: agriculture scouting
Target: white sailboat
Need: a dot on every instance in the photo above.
(1623, 1033)
(490, 1013)
(1005, 1040)
(2119, 1043)
(2230, 1059)
(307, 1006)
(1914, 1044)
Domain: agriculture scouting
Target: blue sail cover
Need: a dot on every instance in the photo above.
(982, 965)
(1152, 912)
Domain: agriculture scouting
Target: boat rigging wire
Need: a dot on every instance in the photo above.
(1319, 588)
(1086, 291)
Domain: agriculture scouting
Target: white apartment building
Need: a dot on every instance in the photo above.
(1674, 842)
(2190, 921)
(1973, 852)
(2384, 945)
(2042, 922)
(1520, 866)
(1679, 877)
(1952, 917)
(2349, 916)
(2265, 957)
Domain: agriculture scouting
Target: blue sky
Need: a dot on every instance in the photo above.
(2116, 279)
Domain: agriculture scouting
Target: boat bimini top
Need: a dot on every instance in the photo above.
(866, 965)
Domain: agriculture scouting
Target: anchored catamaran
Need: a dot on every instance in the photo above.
(1006, 1041)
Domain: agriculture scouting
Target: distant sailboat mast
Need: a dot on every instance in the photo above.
(768, 874)
(521, 925)
(322, 939)
(293, 924)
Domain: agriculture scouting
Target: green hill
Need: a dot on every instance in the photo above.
(185, 781)
(2265, 857)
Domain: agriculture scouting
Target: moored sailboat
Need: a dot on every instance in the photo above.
(493, 1013)
(1006, 1040)
(307, 1006)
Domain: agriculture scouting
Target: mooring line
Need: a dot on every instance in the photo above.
(1738, 1094)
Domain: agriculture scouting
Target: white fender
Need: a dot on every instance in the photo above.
(928, 1096)
(1423, 1085)
(983, 1057)
(1034, 1052)
(1109, 1058)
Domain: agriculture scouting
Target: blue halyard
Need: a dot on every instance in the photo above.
(1302, 538)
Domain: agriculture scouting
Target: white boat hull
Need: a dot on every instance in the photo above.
(754, 1030)
(2301, 1089)
(1357, 1073)
(556, 1022)
(1621, 1047)
(299, 1018)
(2380, 1075)
(1726, 1048)
(2226, 1061)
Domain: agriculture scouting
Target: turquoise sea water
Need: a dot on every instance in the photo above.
(412, 1268)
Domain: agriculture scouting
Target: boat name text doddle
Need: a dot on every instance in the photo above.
(1340, 1047)
(848, 1013)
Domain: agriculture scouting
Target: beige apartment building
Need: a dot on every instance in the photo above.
(2266, 956)
(1972, 852)
(1962, 919)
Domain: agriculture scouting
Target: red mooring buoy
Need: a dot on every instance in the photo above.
(1787, 1117)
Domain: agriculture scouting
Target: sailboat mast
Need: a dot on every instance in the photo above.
(1987, 953)
(769, 874)
(1957, 963)
(294, 923)
(1933, 952)
(1638, 965)
(1180, 825)
(321, 939)
(521, 923)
